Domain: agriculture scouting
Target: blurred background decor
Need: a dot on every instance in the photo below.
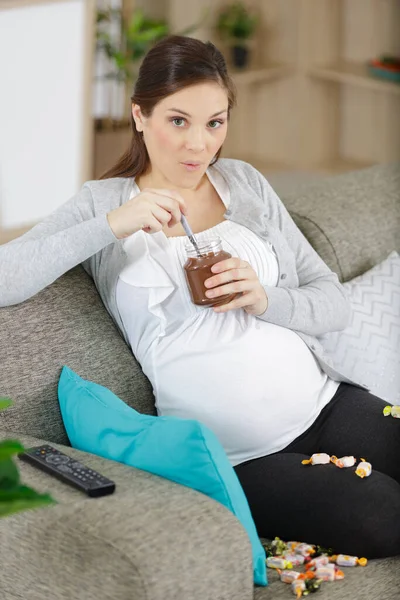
(136, 36)
(386, 67)
(236, 24)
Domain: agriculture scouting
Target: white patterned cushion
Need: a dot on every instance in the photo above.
(368, 350)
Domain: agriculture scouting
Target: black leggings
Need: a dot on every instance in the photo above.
(326, 505)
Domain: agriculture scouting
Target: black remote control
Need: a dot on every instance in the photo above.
(67, 469)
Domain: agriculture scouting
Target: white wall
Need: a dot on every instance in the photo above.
(44, 106)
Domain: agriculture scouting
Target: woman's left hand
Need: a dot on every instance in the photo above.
(236, 276)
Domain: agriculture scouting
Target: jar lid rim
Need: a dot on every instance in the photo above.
(203, 243)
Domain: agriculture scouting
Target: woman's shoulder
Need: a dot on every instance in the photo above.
(239, 170)
(110, 192)
(106, 185)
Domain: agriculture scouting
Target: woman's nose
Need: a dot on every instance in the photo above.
(195, 140)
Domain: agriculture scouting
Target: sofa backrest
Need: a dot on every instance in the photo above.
(352, 220)
(65, 324)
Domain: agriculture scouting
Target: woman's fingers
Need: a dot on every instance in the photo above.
(171, 201)
(241, 301)
(235, 274)
(233, 287)
(229, 264)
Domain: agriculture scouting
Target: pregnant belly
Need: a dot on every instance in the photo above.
(251, 389)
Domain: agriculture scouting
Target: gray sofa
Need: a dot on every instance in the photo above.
(154, 539)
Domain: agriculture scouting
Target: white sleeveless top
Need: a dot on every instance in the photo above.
(256, 385)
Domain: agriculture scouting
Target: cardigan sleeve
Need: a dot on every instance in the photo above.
(64, 239)
(320, 303)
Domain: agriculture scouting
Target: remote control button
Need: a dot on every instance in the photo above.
(64, 468)
(56, 459)
(76, 465)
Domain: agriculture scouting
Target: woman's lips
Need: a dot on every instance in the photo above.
(191, 166)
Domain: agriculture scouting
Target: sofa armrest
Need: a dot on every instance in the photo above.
(151, 540)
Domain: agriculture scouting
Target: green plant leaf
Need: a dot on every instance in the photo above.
(22, 498)
(136, 21)
(5, 403)
(8, 448)
(9, 475)
(236, 22)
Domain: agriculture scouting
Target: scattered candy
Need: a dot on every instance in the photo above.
(295, 559)
(317, 459)
(303, 587)
(320, 564)
(326, 572)
(277, 562)
(298, 587)
(343, 560)
(289, 576)
(304, 549)
(319, 561)
(364, 469)
(345, 461)
(392, 410)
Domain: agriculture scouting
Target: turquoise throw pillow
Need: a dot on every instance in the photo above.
(181, 450)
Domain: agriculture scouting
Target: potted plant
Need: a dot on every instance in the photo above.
(14, 496)
(138, 34)
(236, 24)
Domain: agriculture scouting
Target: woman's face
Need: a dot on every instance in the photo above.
(184, 133)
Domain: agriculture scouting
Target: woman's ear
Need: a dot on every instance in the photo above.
(137, 117)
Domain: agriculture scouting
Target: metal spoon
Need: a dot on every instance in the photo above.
(190, 234)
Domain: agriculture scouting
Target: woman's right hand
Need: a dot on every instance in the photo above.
(150, 211)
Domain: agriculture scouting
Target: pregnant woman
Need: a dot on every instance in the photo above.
(251, 368)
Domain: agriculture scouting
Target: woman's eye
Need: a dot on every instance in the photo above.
(178, 122)
(215, 124)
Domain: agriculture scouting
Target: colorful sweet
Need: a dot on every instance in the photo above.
(364, 469)
(317, 459)
(288, 576)
(278, 562)
(394, 411)
(344, 462)
(296, 559)
(344, 560)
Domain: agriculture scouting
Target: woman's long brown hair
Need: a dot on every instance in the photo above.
(174, 63)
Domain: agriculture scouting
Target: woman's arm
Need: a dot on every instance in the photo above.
(320, 303)
(66, 238)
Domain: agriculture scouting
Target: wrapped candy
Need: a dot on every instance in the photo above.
(278, 546)
(302, 587)
(298, 587)
(364, 469)
(344, 560)
(317, 459)
(394, 411)
(319, 561)
(326, 572)
(295, 559)
(345, 461)
(278, 562)
(289, 576)
(304, 549)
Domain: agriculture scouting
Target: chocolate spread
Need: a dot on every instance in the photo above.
(197, 270)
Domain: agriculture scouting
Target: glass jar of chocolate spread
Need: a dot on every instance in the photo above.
(198, 269)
